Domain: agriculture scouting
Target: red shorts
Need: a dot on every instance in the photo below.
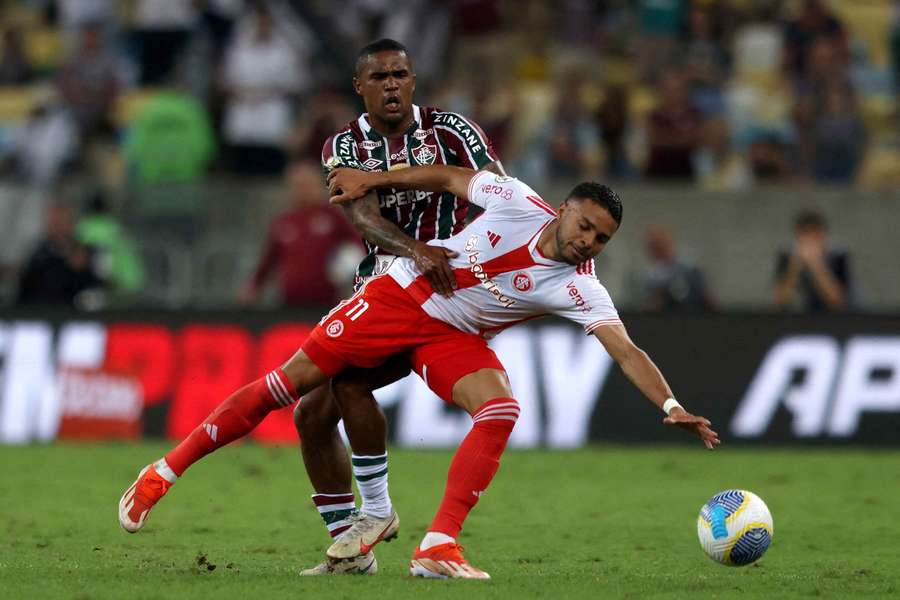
(381, 320)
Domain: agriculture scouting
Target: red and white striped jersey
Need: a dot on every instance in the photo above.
(502, 275)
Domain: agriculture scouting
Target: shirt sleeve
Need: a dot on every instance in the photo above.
(587, 302)
(487, 189)
(339, 150)
(465, 139)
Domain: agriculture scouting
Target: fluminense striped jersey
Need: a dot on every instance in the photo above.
(436, 137)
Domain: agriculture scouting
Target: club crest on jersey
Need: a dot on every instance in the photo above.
(334, 329)
(372, 164)
(425, 154)
(369, 145)
(523, 282)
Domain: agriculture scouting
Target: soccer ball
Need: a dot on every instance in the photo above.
(735, 527)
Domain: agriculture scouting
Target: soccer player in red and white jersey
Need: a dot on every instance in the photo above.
(521, 259)
(393, 133)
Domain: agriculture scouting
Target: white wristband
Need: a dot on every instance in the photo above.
(669, 404)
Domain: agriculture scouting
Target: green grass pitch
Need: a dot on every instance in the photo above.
(605, 522)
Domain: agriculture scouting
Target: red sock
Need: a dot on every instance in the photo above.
(236, 417)
(475, 463)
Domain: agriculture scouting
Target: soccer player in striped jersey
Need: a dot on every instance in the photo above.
(393, 133)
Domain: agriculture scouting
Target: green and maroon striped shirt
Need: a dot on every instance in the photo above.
(436, 137)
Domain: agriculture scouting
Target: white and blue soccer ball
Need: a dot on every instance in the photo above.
(735, 527)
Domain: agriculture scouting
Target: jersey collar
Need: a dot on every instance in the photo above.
(536, 253)
(363, 121)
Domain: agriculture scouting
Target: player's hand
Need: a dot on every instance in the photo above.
(699, 426)
(346, 185)
(433, 262)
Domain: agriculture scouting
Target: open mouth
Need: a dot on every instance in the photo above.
(392, 103)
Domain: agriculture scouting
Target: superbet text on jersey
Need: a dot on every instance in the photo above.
(502, 275)
(435, 137)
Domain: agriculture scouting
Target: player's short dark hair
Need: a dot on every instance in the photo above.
(599, 194)
(810, 219)
(382, 45)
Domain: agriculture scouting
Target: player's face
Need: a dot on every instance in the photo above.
(386, 83)
(584, 229)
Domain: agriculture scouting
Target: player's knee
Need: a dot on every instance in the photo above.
(316, 414)
(498, 411)
(478, 388)
(349, 390)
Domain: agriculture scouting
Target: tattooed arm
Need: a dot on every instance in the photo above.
(365, 216)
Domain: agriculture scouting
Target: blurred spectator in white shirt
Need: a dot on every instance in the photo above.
(262, 74)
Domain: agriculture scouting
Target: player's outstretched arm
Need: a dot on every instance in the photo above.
(644, 374)
(350, 184)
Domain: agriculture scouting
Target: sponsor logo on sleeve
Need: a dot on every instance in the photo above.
(577, 298)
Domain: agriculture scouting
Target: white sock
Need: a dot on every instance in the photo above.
(165, 471)
(435, 538)
(371, 473)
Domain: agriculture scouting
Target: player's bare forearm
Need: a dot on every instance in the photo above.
(366, 218)
(349, 184)
(641, 371)
(635, 363)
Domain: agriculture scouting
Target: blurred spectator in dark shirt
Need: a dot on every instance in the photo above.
(305, 245)
(613, 119)
(819, 273)
(15, 69)
(89, 83)
(60, 268)
(839, 136)
(705, 60)
(825, 68)
(670, 283)
(674, 131)
(812, 23)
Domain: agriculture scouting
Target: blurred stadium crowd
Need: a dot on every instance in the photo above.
(130, 131)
